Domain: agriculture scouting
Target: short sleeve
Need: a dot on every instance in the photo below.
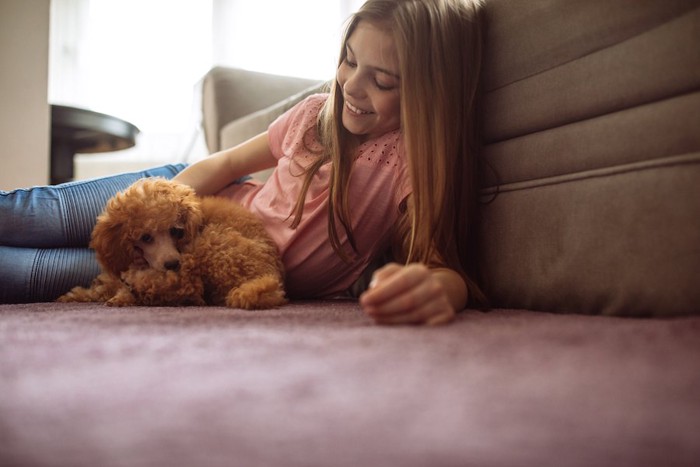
(292, 119)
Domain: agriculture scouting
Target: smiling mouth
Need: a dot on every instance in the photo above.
(355, 110)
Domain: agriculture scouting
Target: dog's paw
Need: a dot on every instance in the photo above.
(166, 288)
(259, 293)
(77, 294)
(123, 297)
(103, 288)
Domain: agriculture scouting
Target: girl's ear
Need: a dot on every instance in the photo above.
(112, 251)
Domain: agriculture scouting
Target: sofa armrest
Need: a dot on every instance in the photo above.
(231, 93)
(253, 124)
(250, 125)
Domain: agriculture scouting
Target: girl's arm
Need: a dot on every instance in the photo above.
(414, 294)
(211, 175)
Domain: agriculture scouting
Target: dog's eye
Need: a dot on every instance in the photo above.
(177, 233)
(146, 238)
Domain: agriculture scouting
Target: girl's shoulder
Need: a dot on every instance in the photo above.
(316, 99)
(302, 115)
(308, 107)
(294, 132)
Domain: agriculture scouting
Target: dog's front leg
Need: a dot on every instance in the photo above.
(103, 287)
(122, 297)
(259, 293)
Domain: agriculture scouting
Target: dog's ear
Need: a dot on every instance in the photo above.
(190, 215)
(192, 219)
(111, 248)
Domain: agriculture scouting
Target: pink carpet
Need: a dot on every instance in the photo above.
(316, 384)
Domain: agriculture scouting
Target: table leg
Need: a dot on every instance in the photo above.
(61, 162)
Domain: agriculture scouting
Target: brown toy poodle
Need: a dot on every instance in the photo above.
(160, 244)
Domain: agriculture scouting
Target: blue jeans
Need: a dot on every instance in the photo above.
(45, 231)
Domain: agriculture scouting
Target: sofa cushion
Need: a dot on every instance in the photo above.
(590, 193)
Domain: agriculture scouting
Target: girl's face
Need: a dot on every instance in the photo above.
(369, 79)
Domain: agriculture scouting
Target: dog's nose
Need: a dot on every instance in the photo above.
(172, 265)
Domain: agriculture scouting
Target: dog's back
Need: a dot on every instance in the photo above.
(229, 213)
(238, 260)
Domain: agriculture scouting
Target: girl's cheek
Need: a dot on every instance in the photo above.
(341, 75)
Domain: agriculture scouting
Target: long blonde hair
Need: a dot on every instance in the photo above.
(439, 54)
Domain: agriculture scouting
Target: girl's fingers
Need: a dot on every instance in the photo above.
(413, 297)
(394, 282)
(406, 295)
(432, 314)
(382, 274)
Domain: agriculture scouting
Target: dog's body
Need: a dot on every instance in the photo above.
(160, 244)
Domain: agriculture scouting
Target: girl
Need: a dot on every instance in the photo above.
(385, 161)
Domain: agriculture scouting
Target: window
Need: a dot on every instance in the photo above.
(298, 38)
(138, 60)
(141, 60)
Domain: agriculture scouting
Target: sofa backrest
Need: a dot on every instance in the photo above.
(591, 156)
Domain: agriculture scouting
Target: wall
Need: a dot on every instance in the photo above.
(25, 113)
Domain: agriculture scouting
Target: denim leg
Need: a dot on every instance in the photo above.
(42, 275)
(63, 215)
(45, 231)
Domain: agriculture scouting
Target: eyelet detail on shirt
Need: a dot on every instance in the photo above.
(382, 153)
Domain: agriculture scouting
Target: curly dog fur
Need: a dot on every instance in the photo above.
(159, 244)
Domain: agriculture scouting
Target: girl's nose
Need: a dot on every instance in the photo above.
(353, 85)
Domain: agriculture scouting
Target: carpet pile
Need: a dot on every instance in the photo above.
(317, 384)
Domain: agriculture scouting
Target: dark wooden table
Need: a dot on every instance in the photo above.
(75, 130)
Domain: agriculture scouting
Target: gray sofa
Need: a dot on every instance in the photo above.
(589, 253)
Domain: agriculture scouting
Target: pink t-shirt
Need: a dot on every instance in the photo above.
(378, 184)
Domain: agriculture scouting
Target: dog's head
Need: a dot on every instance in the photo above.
(147, 225)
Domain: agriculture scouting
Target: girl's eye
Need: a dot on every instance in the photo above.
(177, 233)
(146, 238)
(350, 63)
(383, 87)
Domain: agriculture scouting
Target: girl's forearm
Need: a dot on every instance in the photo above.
(211, 175)
(207, 176)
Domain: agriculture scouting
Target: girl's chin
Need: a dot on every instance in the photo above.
(353, 127)
(364, 126)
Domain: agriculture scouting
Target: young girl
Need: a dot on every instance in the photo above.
(386, 161)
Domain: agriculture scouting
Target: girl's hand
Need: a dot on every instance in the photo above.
(412, 294)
